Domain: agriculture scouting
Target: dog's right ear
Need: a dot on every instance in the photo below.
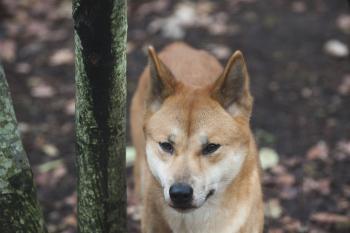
(162, 82)
(231, 89)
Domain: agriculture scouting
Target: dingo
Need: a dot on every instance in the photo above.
(197, 167)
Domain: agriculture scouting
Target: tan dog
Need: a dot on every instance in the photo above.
(197, 165)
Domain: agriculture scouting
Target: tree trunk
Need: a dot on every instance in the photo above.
(100, 47)
(19, 208)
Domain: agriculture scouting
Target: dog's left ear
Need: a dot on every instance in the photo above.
(162, 82)
(231, 89)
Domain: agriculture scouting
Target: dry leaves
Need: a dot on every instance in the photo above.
(344, 87)
(325, 217)
(273, 208)
(343, 23)
(320, 186)
(318, 151)
(336, 48)
(62, 57)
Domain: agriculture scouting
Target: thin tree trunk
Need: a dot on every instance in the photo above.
(100, 47)
(19, 208)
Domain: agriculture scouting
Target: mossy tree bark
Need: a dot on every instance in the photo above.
(100, 47)
(19, 208)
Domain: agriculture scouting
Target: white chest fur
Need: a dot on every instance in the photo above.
(207, 219)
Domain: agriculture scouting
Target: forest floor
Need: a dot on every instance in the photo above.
(302, 95)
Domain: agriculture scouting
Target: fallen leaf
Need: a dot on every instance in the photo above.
(268, 157)
(59, 172)
(343, 23)
(23, 68)
(292, 162)
(50, 149)
(151, 7)
(343, 150)
(8, 50)
(205, 7)
(343, 204)
(23, 127)
(130, 47)
(306, 92)
(336, 48)
(325, 217)
(62, 57)
(299, 6)
(273, 208)
(218, 28)
(70, 107)
(278, 170)
(130, 156)
(275, 230)
(70, 220)
(344, 87)
(174, 26)
(291, 224)
(220, 51)
(49, 166)
(50, 174)
(42, 91)
(71, 200)
(318, 151)
(51, 227)
(38, 29)
(321, 186)
(285, 179)
(185, 13)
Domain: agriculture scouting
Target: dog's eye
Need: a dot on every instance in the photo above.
(210, 148)
(167, 147)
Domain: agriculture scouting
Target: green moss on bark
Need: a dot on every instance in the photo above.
(100, 47)
(20, 211)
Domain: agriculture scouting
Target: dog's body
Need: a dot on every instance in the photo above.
(197, 166)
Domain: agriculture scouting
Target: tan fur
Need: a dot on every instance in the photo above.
(194, 108)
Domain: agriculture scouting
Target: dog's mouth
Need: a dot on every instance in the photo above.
(210, 193)
(183, 209)
(189, 208)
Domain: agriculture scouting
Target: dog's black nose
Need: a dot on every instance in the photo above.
(181, 194)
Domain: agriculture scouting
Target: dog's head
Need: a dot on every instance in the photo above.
(197, 138)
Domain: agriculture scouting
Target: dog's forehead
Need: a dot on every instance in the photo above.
(198, 118)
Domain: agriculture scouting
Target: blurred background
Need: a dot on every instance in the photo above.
(298, 57)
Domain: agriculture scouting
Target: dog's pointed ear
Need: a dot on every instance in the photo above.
(231, 89)
(162, 82)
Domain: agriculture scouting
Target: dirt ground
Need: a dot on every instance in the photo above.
(301, 89)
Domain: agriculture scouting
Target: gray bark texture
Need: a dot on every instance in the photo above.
(19, 208)
(100, 48)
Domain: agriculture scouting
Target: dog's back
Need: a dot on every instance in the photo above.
(191, 66)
